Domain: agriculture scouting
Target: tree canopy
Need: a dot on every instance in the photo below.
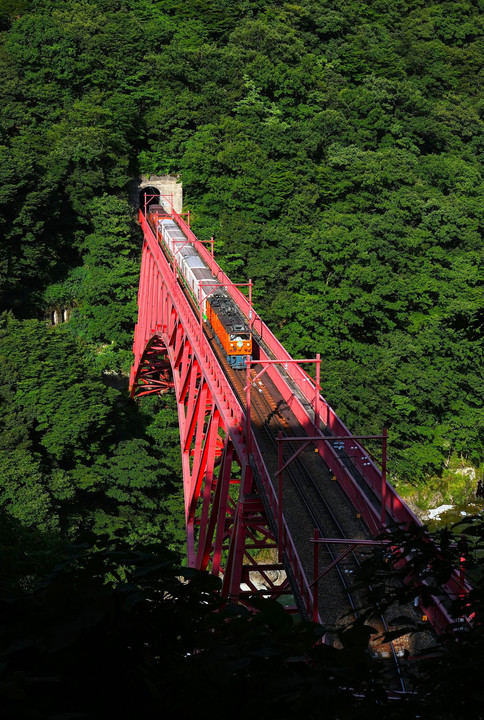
(116, 631)
(334, 150)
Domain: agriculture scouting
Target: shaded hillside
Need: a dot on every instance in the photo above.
(333, 149)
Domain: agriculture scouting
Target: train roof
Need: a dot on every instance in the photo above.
(195, 262)
(228, 313)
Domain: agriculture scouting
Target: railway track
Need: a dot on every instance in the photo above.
(310, 499)
(306, 504)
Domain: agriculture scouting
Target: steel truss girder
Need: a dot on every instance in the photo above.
(225, 519)
(226, 523)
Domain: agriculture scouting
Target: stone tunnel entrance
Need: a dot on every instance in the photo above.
(163, 189)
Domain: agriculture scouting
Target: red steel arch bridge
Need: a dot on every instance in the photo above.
(242, 513)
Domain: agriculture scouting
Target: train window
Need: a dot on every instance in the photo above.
(239, 336)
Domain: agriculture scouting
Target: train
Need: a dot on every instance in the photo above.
(230, 327)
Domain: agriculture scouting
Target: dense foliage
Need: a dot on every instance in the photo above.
(333, 149)
(112, 632)
(75, 454)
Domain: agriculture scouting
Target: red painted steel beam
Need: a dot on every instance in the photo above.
(306, 396)
(221, 525)
(227, 523)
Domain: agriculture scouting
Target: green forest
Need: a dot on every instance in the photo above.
(333, 149)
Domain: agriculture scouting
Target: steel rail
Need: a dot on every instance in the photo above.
(316, 518)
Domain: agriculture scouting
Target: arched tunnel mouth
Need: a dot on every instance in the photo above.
(148, 196)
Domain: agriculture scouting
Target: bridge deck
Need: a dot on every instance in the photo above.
(334, 489)
(312, 498)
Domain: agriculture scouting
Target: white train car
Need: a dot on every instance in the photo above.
(198, 278)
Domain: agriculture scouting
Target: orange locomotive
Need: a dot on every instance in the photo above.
(230, 327)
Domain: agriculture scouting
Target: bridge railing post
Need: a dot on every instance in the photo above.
(247, 399)
(384, 476)
(279, 495)
(316, 391)
(315, 576)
